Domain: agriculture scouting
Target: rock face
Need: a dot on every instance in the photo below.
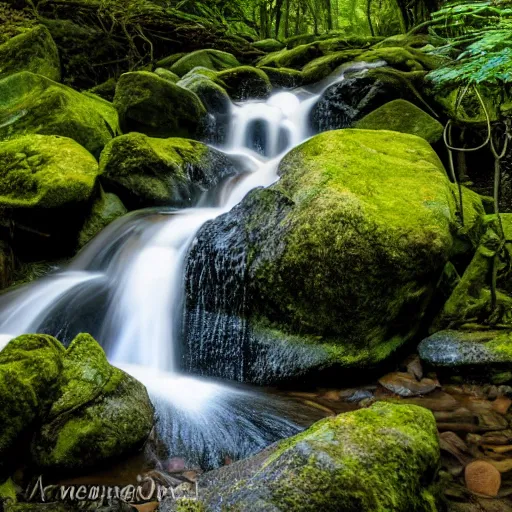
(33, 51)
(245, 83)
(31, 103)
(30, 368)
(100, 412)
(146, 171)
(211, 59)
(155, 106)
(332, 266)
(377, 459)
(402, 116)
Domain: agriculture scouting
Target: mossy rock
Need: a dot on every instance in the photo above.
(8, 492)
(30, 370)
(44, 171)
(31, 104)
(284, 78)
(168, 61)
(157, 107)
(168, 75)
(211, 59)
(322, 67)
(269, 45)
(106, 90)
(377, 459)
(146, 171)
(404, 58)
(417, 41)
(372, 213)
(295, 58)
(34, 51)
(100, 412)
(402, 116)
(106, 209)
(245, 82)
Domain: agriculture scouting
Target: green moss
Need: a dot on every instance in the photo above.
(322, 67)
(106, 209)
(32, 104)
(211, 59)
(203, 82)
(8, 492)
(168, 75)
(295, 58)
(404, 117)
(268, 45)
(245, 82)
(45, 172)
(284, 78)
(100, 412)
(146, 171)
(30, 369)
(157, 107)
(189, 505)
(382, 459)
(34, 51)
(404, 58)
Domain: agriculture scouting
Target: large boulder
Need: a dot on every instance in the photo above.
(33, 51)
(155, 106)
(269, 45)
(333, 266)
(31, 103)
(245, 82)
(30, 369)
(46, 185)
(99, 413)
(211, 59)
(402, 116)
(378, 459)
(146, 171)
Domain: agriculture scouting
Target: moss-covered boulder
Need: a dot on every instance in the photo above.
(30, 369)
(105, 90)
(155, 106)
(99, 413)
(31, 103)
(146, 171)
(402, 116)
(106, 209)
(245, 82)
(269, 45)
(211, 59)
(320, 68)
(295, 58)
(378, 459)
(168, 75)
(336, 263)
(404, 58)
(33, 51)
(284, 78)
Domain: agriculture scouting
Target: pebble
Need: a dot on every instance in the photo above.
(482, 478)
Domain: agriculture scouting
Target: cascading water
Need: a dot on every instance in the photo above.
(126, 288)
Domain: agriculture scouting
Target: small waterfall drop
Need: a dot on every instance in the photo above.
(132, 274)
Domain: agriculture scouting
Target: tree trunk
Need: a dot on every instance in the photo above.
(279, 7)
(328, 8)
(287, 19)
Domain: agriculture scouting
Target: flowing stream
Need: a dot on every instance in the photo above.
(126, 288)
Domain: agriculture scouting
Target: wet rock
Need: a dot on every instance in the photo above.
(211, 59)
(404, 117)
(337, 464)
(414, 367)
(146, 171)
(7, 265)
(107, 208)
(482, 478)
(33, 104)
(30, 368)
(341, 196)
(404, 384)
(34, 51)
(284, 78)
(245, 82)
(152, 105)
(99, 412)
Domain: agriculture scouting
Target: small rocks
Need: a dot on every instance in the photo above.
(482, 478)
(405, 385)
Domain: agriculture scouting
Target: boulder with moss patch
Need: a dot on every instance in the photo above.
(145, 171)
(245, 82)
(402, 116)
(30, 368)
(295, 58)
(269, 45)
(106, 209)
(333, 266)
(211, 59)
(100, 412)
(320, 68)
(150, 104)
(33, 51)
(31, 103)
(284, 78)
(377, 459)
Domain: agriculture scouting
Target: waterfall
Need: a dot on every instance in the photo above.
(126, 287)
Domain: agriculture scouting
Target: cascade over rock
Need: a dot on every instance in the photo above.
(332, 266)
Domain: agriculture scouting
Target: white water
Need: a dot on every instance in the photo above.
(140, 261)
